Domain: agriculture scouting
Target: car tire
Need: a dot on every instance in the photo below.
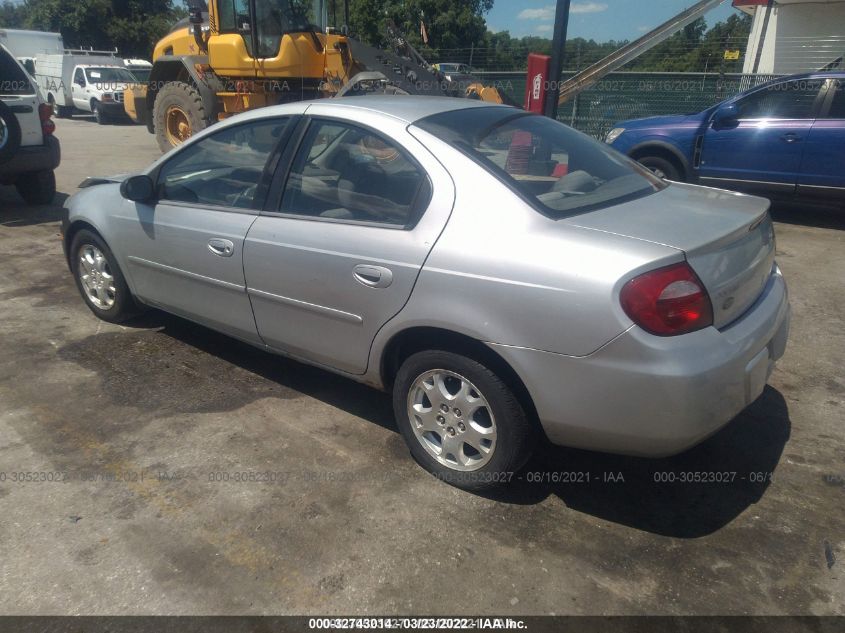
(105, 293)
(37, 187)
(60, 112)
(477, 448)
(97, 111)
(10, 133)
(178, 114)
(661, 167)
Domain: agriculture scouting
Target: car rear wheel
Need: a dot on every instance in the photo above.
(460, 420)
(99, 279)
(38, 187)
(60, 112)
(661, 167)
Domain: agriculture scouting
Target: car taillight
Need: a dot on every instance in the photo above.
(45, 113)
(668, 301)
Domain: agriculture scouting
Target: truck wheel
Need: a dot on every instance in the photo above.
(178, 114)
(37, 187)
(60, 112)
(97, 111)
(661, 167)
(10, 133)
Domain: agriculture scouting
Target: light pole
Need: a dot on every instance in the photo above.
(558, 53)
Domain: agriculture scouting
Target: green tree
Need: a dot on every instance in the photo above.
(448, 24)
(131, 26)
(12, 16)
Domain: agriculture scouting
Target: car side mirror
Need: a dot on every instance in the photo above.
(726, 116)
(138, 188)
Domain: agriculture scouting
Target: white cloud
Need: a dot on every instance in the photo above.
(548, 12)
(588, 7)
(544, 28)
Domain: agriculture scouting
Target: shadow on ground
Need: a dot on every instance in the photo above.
(805, 214)
(647, 494)
(15, 212)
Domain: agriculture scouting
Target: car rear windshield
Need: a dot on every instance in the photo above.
(13, 80)
(560, 171)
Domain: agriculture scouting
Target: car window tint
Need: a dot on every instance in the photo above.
(837, 108)
(549, 163)
(789, 100)
(13, 81)
(222, 169)
(344, 172)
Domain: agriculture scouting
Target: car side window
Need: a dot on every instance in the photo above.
(788, 100)
(223, 169)
(79, 77)
(837, 107)
(345, 172)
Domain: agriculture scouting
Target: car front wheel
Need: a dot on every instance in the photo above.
(99, 279)
(460, 420)
(97, 111)
(661, 167)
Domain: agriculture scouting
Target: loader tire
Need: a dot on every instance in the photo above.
(178, 114)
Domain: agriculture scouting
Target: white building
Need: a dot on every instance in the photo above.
(799, 35)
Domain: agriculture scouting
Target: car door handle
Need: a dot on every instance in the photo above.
(790, 138)
(373, 276)
(221, 247)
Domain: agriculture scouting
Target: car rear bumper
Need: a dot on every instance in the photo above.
(30, 159)
(652, 396)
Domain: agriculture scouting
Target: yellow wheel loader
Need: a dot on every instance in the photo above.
(230, 56)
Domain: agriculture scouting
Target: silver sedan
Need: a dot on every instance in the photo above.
(507, 278)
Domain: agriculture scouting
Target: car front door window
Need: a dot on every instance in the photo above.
(789, 100)
(224, 169)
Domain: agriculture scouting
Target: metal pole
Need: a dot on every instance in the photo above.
(558, 53)
(762, 40)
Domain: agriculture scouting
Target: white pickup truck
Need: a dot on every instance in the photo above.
(88, 83)
(29, 153)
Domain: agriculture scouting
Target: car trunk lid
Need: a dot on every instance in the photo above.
(728, 239)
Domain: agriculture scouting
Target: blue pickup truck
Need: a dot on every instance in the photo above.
(785, 138)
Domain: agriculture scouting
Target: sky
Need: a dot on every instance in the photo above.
(600, 20)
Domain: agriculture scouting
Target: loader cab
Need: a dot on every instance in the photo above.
(250, 33)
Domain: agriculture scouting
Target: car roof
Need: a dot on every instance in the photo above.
(411, 108)
(407, 108)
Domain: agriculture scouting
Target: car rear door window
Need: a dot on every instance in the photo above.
(788, 100)
(223, 169)
(345, 172)
(837, 106)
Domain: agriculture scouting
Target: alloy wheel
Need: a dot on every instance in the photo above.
(96, 277)
(452, 420)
